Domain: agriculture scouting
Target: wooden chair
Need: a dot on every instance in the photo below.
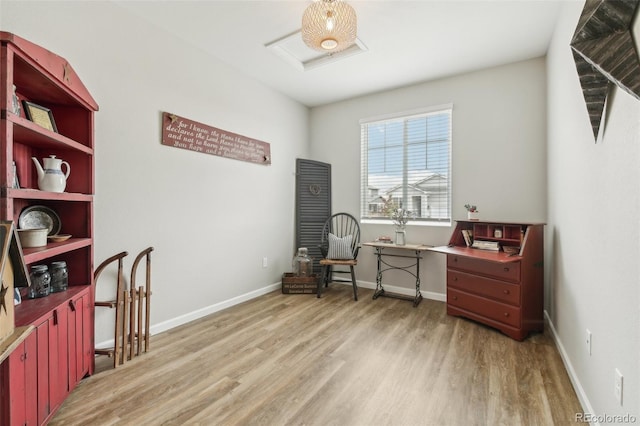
(119, 336)
(339, 245)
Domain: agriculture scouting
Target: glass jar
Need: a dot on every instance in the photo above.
(59, 276)
(302, 263)
(40, 281)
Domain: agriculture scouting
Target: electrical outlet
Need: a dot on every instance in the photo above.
(589, 342)
(617, 391)
(265, 262)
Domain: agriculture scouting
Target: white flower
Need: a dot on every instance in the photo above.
(400, 217)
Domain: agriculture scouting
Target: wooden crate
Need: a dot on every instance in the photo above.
(299, 285)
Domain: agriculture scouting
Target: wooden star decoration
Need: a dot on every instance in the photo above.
(173, 118)
(604, 52)
(3, 303)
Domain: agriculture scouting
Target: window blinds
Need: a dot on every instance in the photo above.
(406, 163)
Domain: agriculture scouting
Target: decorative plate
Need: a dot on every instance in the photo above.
(40, 217)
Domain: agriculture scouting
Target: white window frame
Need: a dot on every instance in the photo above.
(364, 211)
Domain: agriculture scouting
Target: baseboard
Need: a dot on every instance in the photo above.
(575, 381)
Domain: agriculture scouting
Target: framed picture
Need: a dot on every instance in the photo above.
(13, 249)
(16, 257)
(40, 115)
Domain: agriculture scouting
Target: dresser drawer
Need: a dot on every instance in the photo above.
(509, 271)
(488, 287)
(494, 310)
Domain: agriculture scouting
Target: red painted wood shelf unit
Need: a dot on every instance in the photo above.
(499, 289)
(41, 372)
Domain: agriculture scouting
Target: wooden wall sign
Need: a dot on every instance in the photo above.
(181, 132)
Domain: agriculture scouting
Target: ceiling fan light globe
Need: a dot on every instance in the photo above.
(326, 23)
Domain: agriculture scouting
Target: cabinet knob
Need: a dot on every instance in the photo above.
(455, 278)
(506, 314)
(506, 269)
(72, 305)
(506, 291)
(455, 297)
(455, 259)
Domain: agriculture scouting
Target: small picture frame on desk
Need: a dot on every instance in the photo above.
(40, 115)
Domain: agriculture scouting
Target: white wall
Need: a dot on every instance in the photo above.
(593, 243)
(499, 154)
(210, 219)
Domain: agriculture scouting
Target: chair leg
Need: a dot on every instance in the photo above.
(328, 275)
(323, 273)
(355, 287)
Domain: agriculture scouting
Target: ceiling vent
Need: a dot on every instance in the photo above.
(292, 49)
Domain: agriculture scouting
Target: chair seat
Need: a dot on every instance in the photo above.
(347, 262)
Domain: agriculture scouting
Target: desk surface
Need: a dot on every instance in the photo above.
(414, 247)
(493, 256)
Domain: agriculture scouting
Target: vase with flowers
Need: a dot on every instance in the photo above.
(400, 218)
(472, 212)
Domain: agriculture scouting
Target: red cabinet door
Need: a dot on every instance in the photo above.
(58, 382)
(76, 354)
(42, 359)
(52, 363)
(88, 346)
(13, 388)
(80, 349)
(18, 404)
(30, 380)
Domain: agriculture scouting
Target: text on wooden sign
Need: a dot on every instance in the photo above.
(181, 132)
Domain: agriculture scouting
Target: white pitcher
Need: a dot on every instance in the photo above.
(51, 178)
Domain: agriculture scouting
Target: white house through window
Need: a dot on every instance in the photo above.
(406, 163)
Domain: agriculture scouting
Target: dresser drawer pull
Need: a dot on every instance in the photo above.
(506, 269)
(455, 278)
(455, 297)
(506, 314)
(506, 291)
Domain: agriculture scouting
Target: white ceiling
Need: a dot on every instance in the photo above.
(407, 41)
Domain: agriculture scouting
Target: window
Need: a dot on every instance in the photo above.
(406, 163)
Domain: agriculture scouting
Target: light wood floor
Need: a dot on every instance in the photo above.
(298, 360)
